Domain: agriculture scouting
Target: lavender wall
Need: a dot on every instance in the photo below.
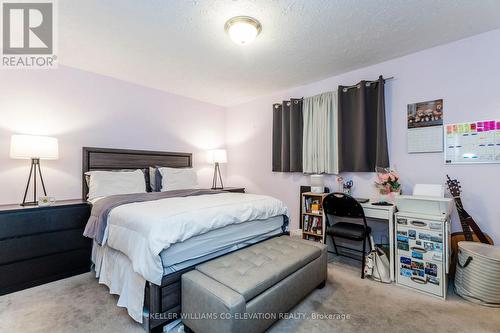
(85, 109)
(465, 74)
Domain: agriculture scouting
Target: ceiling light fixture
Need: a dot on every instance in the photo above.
(243, 29)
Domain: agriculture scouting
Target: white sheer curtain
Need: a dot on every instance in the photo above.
(320, 135)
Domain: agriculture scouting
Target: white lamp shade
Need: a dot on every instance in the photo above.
(33, 146)
(217, 156)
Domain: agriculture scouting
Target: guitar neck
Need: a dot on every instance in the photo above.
(463, 216)
(460, 209)
(468, 223)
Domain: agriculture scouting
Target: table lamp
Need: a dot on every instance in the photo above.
(217, 156)
(35, 148)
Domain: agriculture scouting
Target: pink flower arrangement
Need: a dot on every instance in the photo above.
(388, 180)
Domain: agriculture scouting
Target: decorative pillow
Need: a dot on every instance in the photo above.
(105, 183)
(155, 178)
(178, 179)
(153, 185)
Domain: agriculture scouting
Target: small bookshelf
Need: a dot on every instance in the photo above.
(313, 218)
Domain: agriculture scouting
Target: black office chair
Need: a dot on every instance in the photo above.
(338, 206)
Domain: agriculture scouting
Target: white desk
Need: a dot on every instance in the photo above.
(383, 213)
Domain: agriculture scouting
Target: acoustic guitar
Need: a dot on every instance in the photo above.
(470, 230)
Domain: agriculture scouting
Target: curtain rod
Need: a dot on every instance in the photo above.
(276, 105)
(368, 83)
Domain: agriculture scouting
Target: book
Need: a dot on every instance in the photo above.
(319, 227)
(315, 208)
(312, 205)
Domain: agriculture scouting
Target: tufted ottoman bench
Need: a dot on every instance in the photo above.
(248, 290)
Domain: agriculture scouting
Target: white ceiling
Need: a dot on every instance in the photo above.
(180, 46)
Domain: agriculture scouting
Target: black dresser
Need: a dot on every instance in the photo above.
(42, 244)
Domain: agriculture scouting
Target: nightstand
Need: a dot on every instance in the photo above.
(42, 244)
(234, 189)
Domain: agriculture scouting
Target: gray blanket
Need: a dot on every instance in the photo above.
(98, 220)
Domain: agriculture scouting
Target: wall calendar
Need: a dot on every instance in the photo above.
(472, 142)
(425, 127)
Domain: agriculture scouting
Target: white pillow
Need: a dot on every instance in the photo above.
(178, 179)
(105, 183)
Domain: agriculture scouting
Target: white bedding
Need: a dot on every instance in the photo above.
(142, 230)
(114, 269)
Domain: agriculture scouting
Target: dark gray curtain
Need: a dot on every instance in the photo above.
(362, 127)
(287, 136)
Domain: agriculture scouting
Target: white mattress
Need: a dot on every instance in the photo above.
(114, 269)
(218, 242)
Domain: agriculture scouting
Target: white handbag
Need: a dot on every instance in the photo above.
(377, 265)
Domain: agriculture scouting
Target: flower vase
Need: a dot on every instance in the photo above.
(383, 195)
(393, 194)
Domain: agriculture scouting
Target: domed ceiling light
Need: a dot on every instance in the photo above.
(243, 29)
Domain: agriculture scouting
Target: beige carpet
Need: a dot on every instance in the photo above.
(79, 304)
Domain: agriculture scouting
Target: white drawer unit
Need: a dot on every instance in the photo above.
(420, 259)
(422, 251)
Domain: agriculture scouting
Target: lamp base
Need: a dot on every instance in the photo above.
(34, 170)
(30, 203)
(217, 176)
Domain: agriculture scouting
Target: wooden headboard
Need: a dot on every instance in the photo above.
(116, 159)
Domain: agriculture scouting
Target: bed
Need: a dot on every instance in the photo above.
(161, 300)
